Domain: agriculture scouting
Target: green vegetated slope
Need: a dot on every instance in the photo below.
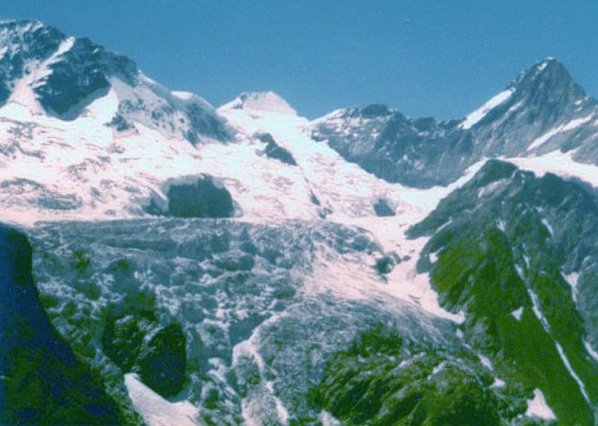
(385, 379)
(507, 248)
(41, 380)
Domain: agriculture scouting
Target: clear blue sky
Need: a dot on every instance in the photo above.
(426, 58)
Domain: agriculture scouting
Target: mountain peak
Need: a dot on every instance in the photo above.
(262, 101)
(543, 68)
(548, 75)
(20, 23)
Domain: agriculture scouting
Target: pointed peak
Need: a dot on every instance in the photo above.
(262, 101)
(548, 83)
(547, 70)
(547, 65)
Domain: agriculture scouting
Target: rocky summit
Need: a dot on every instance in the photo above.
(166, 262)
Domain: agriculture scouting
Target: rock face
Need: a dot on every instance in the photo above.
(540, 111)
(162, 360)
(273, 150)
(138, 343)
(382, 208)
(41, 379)
(200, 199)
(519, 255)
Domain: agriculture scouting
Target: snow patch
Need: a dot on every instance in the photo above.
(537, 407)
(581, 385)
(157, 411)
(498, 383)
(490, 188)
(481, 112)
(486, 362)
(537, 311)
(560, 129)
(327, 419)
(558, 163)
(261, 101)
(572, 279)
(548, 227)
(438, 368)
(182, 95)
(517, 313)
(593, 353)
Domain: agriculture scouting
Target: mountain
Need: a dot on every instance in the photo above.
(44, 70)
(245, 265)
(77, 122)
(542, 110)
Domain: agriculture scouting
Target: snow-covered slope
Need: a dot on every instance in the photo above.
(83, 133)
(323, 185)
(261, 101)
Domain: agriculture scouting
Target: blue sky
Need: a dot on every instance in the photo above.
(426, 58)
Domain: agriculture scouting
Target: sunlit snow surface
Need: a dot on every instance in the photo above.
(349, 194)
(537, 407)
(477, 115)
(560, 164)
(157, 411)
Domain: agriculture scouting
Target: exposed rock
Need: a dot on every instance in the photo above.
(200, 199)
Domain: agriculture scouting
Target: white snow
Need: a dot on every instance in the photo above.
(548, 227)
(498, 383)
(347, 191)
(558, 163)
(251, 405)
(538, 311)
(537, 407)
(541, 140)
(542, 66)
(572, 279)
(182, 95)
(490, 188)
(591, 351)
(581, 385)
(327, 419)
(501, 225)
(157, 411)
(481, 112)
(486, 362)
(546, 326)
(261, 101)
(517, 313)
(519, 271)
(113, 175)
(438, 368)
